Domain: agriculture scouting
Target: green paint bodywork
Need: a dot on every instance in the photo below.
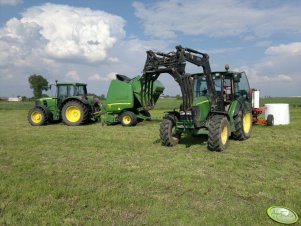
(126, 96)
(120, 96)
(202, 102)
(231, 114)
(187, 125)
(53, 105)
(204, 105)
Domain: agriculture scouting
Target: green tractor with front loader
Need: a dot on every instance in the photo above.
(71, 105)
(124, 101)
(217, 104)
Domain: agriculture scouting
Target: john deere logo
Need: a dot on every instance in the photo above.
(282, 215)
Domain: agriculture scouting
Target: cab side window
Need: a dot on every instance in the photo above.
(244, 87)
(62, 91)
(71, 90)
(200, 87)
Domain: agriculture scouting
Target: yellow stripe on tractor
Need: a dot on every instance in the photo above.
(202, 102)
(118, 104)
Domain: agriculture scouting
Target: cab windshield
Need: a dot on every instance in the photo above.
(227, 85)
(200, 85)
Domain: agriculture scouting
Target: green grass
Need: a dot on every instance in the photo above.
(292, 101)
(111, 175)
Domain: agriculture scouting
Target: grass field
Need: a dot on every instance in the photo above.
(112, 175)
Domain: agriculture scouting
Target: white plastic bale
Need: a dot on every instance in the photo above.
(255, 98)
(280, 112)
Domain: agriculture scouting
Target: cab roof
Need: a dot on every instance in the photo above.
(71, 83)
(229, 73)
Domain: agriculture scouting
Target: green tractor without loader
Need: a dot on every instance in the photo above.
(217, 104)
(124, 101)
(72, 105)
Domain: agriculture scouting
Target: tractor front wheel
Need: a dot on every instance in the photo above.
(128, 118)
(37, 116)
(74, 113)
(168, 134)
(219, 132)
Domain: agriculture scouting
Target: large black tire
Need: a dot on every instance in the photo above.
(37, 116)
(128, 118)
(270, 120)
(74, 113)
(219, 132)
(243, 125)
(168, 135)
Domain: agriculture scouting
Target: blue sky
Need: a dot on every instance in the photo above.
(90, 41)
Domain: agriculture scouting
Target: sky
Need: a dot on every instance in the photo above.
(90, 40)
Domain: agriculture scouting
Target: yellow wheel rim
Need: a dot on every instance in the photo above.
(126, 119)
(73, 114)
(224, 134)
(247, 122)
(36, 117)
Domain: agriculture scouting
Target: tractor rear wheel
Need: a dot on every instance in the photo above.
(219, 132)
(168, 134)
(37, 116)
(243, 125)
(128, 118)
(74, 113)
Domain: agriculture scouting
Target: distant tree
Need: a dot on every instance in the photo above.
(24, 98)
(38, 83)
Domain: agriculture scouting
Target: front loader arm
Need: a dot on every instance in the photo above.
(174, 63)
(202, 59)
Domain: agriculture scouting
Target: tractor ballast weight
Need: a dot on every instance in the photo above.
(71, 104)
(124, 103)
(214, 103)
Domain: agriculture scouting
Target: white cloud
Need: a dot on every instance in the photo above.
(107, 77)
(224, 50)
(290, 49)
(10, 2)
(73, 74)
(277, 78)
(278, 73)
(135, 45)
(60, 32)
(76, 32)
(216, 18)
(60, 42)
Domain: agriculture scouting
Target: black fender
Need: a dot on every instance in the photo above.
(222, 113)
(172, 115)
(242, 106)
(83, 101)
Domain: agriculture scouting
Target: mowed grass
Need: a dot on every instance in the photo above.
(113, 175)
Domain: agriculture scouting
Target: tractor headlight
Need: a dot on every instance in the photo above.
(185, 113)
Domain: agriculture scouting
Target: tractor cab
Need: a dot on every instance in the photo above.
(229, 86)
(65, 90)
